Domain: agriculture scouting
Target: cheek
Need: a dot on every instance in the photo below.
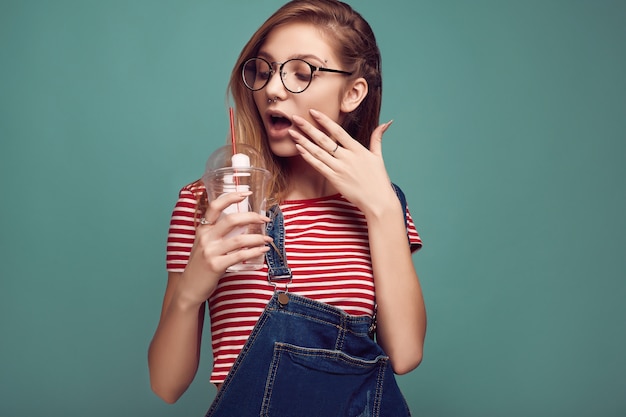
(330, 104)
(258, 100)
(329, 107)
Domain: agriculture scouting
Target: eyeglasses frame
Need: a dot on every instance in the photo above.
(280, 73)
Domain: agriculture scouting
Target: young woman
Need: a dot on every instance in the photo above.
(307, 92)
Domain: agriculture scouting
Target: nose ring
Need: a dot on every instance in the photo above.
(270, 100)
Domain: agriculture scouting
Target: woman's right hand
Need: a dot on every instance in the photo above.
(213, 251)
(174, 352)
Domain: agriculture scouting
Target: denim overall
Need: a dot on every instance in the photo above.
(305, 358)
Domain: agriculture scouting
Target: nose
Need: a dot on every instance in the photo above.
(275, 87)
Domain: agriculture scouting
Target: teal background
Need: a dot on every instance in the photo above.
(509, 140)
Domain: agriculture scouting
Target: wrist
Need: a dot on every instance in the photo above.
(386, 207)
(184, 303)
(187, 298)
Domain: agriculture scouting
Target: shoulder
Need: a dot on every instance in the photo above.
(415, 241)
(194, 189)
(192, 195)
(191, 201)
(400, 194)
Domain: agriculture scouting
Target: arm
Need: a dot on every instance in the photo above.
(174, 352)
(401, 315)
(360, 175)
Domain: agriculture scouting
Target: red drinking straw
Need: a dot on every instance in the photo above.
(232, 129)
(233, 140)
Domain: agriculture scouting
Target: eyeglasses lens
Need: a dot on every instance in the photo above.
(256, 73)
(296, 74)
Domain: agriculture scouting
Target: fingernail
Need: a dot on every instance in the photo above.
(386, 125)
(314, 113)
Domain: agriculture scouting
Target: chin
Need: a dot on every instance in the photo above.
(284, 149)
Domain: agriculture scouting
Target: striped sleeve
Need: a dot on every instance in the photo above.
(414, 238)
(182, 231)
(415, 242)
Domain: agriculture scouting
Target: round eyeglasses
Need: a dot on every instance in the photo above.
(296, 74)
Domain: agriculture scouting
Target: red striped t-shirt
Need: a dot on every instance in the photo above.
(327, 249)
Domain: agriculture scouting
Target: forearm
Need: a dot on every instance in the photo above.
(174, 353)
(401, 314)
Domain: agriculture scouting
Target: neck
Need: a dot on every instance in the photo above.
(305, 182)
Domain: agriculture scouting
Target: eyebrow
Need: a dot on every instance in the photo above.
(296, 56)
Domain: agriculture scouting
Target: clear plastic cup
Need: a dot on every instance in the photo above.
(226, 173)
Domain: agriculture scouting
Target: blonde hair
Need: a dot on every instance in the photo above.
(356, 46)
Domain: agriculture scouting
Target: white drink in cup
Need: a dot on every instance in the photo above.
(227, 173)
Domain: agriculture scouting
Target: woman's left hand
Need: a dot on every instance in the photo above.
(358, 173)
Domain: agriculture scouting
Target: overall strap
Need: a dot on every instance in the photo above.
(278, 271)
(402, 199)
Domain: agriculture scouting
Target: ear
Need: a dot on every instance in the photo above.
(354, 95)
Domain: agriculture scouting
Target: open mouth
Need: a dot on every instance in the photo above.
(279, 122)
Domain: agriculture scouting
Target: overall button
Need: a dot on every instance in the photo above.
(283, 298)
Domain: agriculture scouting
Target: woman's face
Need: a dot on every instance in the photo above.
(276, 105)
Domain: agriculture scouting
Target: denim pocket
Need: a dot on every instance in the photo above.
(306, 382)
